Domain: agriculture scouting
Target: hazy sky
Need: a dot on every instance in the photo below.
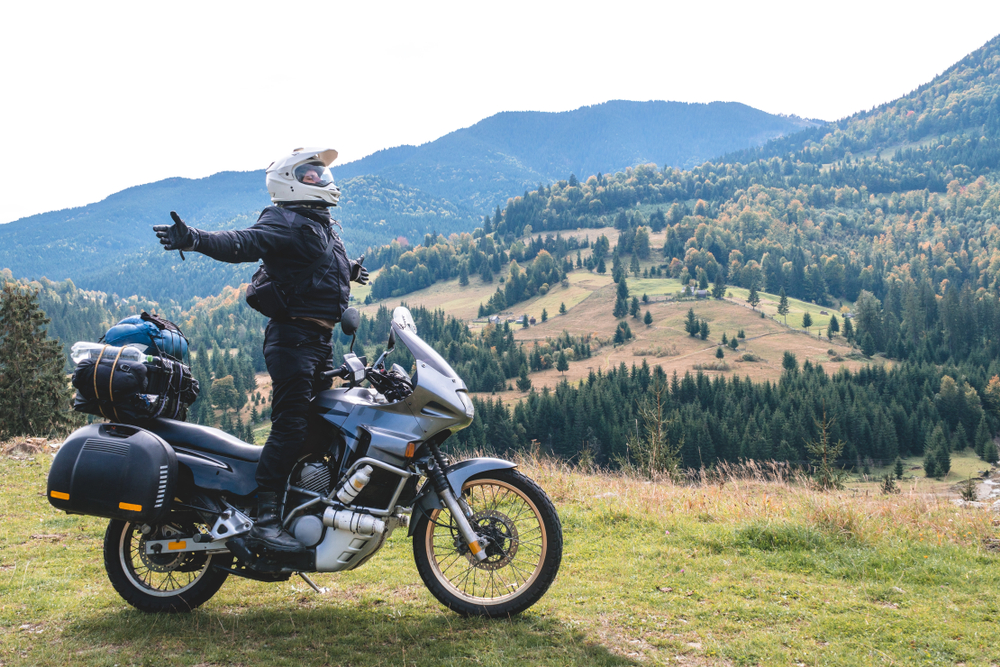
(100, 96)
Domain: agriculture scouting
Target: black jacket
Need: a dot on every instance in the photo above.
(288, 241)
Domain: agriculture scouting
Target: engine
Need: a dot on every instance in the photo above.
(342, 537)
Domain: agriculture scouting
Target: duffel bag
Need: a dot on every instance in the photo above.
(109, 378)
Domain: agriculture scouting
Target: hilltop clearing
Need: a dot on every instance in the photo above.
(747, 569)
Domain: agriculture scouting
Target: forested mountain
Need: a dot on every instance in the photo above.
(483, 165)
(443, 186)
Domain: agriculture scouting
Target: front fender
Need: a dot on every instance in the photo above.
(458, 473)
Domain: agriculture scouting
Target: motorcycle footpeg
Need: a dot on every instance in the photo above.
(273, 562)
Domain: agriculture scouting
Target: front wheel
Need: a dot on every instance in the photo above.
(524, 549)
(160, 583)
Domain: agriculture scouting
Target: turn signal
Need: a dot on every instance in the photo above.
(411, 448)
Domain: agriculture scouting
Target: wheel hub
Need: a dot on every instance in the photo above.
(501, 535)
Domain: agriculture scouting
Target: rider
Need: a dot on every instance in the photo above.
(289, 237)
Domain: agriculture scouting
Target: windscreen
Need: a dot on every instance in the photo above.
(423, 352)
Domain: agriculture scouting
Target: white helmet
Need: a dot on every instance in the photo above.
(304, 178)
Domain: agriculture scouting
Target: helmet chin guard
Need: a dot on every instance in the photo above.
(303, 178)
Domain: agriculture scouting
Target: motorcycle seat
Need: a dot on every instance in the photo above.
(203, 439)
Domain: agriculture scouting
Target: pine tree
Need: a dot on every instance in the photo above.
(959, 440)
(523, 382)
(691, 325)
(719, 288)
(898, 471)
(703, 329)
(621, 310)
(562, 308)
(561, 364)
(807, 320)
(753, 298)
(834, 327)
(734, 343)
(982, 436)
(648, 319)
(34, 394)
(524, 321)
(943, 457)
(634, 308)
(601, 266)
(463, 275)
(990, 454)
(849, 330)
(930, 464)
(783, 304)
(634, 265)
(545, 315)
(719, 354)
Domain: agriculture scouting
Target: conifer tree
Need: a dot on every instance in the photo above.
(34, 392)
(703, 329)
(601, 266)
(930, 463)
(990, 454)
(634, 308)
(719, 354)
(849, 330)
(982, 436)
(561, 364)
(634, 265)
(545, 315)
(807, 320)
(753, 298)
(783, 304)
(562, 308)
(648, 319)
(523, 382)
(959, 440)
(898, 471)
(834, 327)
(691, 325)
(621, 310)
(719, 288)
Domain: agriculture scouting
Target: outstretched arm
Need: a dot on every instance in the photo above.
(237, 245)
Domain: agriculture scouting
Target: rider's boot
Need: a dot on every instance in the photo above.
(267, 534)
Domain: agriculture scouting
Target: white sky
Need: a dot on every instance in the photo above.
(100, 96)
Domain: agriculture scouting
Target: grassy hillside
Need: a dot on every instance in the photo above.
(589, 300)
(745, 570)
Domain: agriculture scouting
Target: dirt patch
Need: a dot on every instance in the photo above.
(24, 447)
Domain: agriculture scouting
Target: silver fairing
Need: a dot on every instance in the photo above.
(439, 402)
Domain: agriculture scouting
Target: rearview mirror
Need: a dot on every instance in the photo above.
(392, 341)
(350, 321)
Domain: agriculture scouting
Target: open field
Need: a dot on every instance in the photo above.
(741, 571)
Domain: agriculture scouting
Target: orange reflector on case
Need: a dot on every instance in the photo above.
(411, 447)
(130, 507)
(174, 546)
(60, 495)
(475, 548)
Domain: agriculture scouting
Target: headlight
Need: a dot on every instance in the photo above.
(467, 403)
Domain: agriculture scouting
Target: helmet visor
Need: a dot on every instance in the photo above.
(313, 174)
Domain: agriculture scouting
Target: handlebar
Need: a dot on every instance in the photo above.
(341, 373)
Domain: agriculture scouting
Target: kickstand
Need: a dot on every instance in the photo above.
(312, 584)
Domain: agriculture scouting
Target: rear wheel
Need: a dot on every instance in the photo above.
(160, 583)
(524, 549)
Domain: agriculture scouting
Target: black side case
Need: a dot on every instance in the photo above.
(115, 471)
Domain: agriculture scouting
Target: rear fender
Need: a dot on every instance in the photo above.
(458, 474)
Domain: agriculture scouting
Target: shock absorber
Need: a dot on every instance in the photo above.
(457, 509)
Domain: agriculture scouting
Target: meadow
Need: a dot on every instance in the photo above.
(743, 567)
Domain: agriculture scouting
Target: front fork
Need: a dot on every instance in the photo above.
(459, 510)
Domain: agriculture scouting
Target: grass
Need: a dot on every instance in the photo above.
(747, 569)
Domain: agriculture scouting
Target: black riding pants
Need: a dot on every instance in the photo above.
(297, 353)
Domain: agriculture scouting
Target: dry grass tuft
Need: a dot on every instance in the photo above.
(19, 447)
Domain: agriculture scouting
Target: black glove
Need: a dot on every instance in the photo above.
(176, 236)
(359, 273)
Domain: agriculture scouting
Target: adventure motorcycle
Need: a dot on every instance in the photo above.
(486, 539)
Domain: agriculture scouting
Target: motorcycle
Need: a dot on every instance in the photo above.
(487, 540)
